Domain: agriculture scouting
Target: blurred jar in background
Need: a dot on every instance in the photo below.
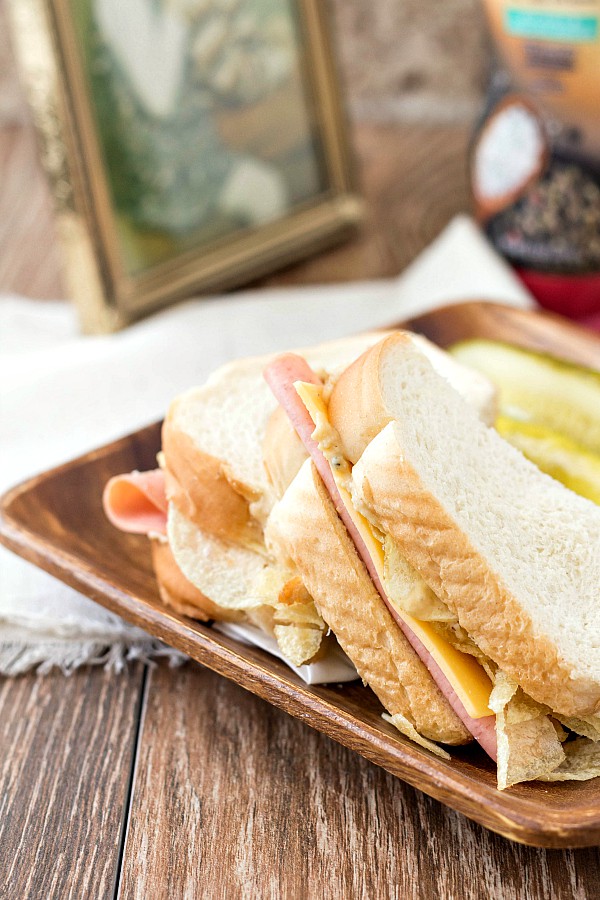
(552, 51)
(535, 165)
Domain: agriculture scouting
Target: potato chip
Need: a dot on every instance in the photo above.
(298, 643)
(406, 589)
(269, 584)
(457, 637)
(490, 668)
(561, 733)
(582, 762)
(299, 614)
(588, 726)
(285, 594)
(293, 591)
(408, 730)
(288, 612)
(528, 743)
(504, 690)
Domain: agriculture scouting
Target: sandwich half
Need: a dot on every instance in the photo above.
(487, 566)
(228, 453)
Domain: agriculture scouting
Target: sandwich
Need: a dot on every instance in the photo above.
(228, 451)
(490, 568)
(303, 502)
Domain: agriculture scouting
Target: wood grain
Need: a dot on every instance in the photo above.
(408, 205)
(415, 179)
(66, 750)
(234, 799)
(56, 521)
(29, 254)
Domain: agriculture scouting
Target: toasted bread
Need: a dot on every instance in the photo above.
(305, 526)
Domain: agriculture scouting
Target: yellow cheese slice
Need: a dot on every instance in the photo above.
(466, 675)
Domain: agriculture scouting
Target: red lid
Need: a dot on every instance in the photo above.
(575, 296)
(592, 322)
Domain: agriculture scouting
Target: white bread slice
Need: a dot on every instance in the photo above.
(223, 424)
(513, 553)
(225, 421)
(363, 399)
(305, 527)
(233, 584)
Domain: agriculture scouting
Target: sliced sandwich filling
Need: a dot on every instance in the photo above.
(468, 679)
(523, 735)
(461, 679)
(270, 597)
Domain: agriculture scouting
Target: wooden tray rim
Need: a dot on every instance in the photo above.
(521, 819)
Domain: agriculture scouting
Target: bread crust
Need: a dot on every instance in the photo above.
(205, 487)
(454, 569)
(356, 409)
(306, 527)
(180, 594)
(205, 492)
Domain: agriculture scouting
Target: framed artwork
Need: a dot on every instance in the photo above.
(192, 145)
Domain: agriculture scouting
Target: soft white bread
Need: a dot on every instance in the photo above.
(201, 486)
(214, 435)
(234, 584)
(222, 424)
(513, 553)
(364, 397)
(220, 428)
(305, 527)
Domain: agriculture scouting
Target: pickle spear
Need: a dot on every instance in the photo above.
(533, 387)
(548, 409)
(555, 454)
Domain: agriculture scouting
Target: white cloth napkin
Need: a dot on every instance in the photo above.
(62, 394)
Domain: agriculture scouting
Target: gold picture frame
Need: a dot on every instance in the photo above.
(105, 277)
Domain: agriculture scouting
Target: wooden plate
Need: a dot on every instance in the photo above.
(55, 521)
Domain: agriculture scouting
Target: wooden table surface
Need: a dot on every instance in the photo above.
(173, 783)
